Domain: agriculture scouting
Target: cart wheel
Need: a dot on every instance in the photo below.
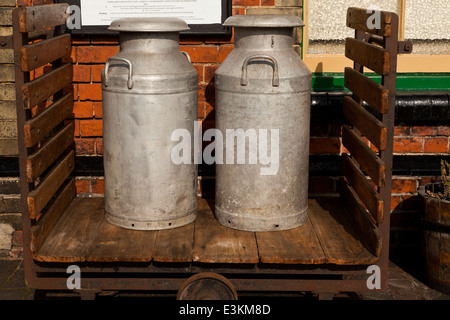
(207, 286)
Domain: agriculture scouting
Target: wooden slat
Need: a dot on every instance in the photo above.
(42, 88)
(74, 233)
(357, 19)
(368, 55)
(38, 127)
(368, 160)
(45, 225)
(295, 246)
(37, 163)
(41, 17)
(214, 243)
(175, 245)
(41, 53)
(366, 192)
(370, 234)
(370, 127)
(338, 237)
(376, 95)
(39, 197)
(114, 244)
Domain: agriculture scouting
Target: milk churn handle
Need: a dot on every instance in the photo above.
(275, 78)
(130, 71)
(187, 55)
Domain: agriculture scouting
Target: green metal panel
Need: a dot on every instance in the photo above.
(324, 82)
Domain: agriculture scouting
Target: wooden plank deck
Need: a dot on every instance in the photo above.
(327, 237)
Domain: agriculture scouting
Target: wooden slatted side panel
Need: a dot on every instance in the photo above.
(368, 55)
(37, 54)
(367, 124)
(375, 94)
(46, 154)
(358, 18)
(37, 18)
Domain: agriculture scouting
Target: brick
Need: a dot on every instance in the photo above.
(423, 131)
(81, 73)
(82, 186)
(97, 72)
(210, 72)
(7, 3)
(245, 2)
(84, 147)
(91, 91)
(91, 128)
(199, 69)
(7, 56)
(413, 145)
(7, 73)
(7, 92)
(402, 131)
(443, 131)
(99, 146)
(8, 129)
(98, 110)
(9, 147)
(224, 51)
(268, 2)
(404, 185)
(95, 54)
(288, 3)
(438, 145)
(98, 186)
(202, 54)
(8, 110)
(6, 16)
(201, 110)
(325, 145)
(83, 109)
(6, 31)
(270, 10)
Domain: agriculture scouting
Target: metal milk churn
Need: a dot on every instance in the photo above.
(263, 110)
(149, 90)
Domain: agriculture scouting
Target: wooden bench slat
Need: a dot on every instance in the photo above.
(175, 245)
(375, 94)
(42, 88)
(74, 233)
(37, 128)
(41, 53)
(116, 244)
(295, 246)
(369, 126)
(367, 159)
(364, 221)
(37, 163)
(41, 17)
(338, 237)
(45, 225)
(368, 55)
(366, 192)
(38, 198)
(214, 243)
(357, 19)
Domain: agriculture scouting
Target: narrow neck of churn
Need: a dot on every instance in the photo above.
(252, 38)
(151, 41)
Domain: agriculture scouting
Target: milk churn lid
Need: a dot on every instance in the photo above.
(264, 21)
(156, 24)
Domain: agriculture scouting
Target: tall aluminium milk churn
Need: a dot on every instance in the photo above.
(263, 110)
(149, 90)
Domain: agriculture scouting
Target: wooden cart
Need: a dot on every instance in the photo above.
(330, 253)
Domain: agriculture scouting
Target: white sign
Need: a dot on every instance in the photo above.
(103, 12)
